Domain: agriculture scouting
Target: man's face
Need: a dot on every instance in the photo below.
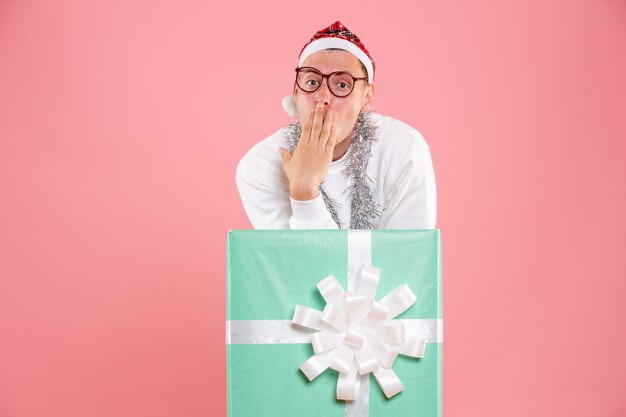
(345, 109)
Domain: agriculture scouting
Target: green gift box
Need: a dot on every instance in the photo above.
(270, 272)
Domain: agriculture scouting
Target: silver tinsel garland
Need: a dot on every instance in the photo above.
(363, 208)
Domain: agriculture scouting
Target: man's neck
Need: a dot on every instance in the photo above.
(341, 148)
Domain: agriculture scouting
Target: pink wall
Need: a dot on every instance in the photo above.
(121, 124)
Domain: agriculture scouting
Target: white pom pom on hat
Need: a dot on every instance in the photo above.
(289, 105)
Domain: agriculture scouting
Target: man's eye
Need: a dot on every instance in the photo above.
(312, 82)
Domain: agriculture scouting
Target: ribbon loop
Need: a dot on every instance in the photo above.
(343, 359)
(388, 381)
(366, 359)
(377, 312)
(411, 347)
(348, 385)
(386, 355)
(308, 317)
(331, 290)
(335, 316)
(367, 281)
(316, 364)
(354, 338)
(399, 300)
(326, 340)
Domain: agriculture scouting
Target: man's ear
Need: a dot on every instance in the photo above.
(368, 102)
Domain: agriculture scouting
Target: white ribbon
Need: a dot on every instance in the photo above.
(249, 332)
(356, 335)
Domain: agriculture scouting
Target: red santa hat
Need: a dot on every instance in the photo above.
(335, 36)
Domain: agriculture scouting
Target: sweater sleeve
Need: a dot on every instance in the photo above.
(311, 214)
(410, 197)
(264, 191)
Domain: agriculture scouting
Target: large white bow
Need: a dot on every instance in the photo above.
(357, 334)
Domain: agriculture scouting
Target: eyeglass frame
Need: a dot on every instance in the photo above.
(355, 79)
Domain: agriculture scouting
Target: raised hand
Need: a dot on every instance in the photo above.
(309, 163)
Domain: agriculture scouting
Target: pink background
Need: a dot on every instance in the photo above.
(121, 124)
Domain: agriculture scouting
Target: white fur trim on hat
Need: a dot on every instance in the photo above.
(289, 105)
(328, 43)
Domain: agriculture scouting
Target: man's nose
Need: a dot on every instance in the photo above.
(323, 93)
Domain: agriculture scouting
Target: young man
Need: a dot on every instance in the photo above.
(341, 165)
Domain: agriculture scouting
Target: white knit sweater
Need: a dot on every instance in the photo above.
(400, 167)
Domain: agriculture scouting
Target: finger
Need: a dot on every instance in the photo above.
(325, 135)
(316, 128)
(305, 135)
(332, 140)
(284, 155)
